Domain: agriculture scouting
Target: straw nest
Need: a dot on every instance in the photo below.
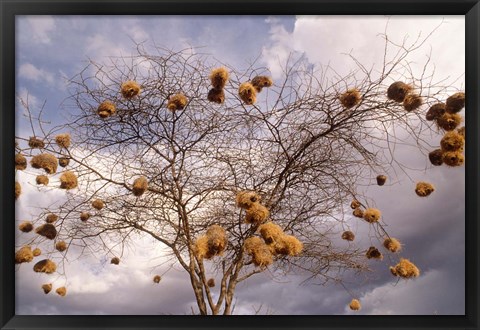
(398, 91)
(355, 305)
(47, 288)
(271, 232)
(25, 254)
(18, 190)
(68, 180)
(256, 214)
(436, 157)
(177, 102)
(62, 291)
(449, 121)
(25, 226)
(36, 143)
(350, 98)
(45, 161)
(63, 161)
(405, 268)
(358, 212)
(216, 95)
(63, 140)
(373, 253)
(51, 218)
(259, 82)
(219, 78)
(372, 215)
(259, 251)
(424, 189)
(47, 230)
(453, 158)
(348, 235)
(455, 103)
(115, 260)
(392, 244)
(36, 252)
(381, 179)
(140, 185)
(461, 131)
(247, 93)
(106, 109)
(20, 162)
(288, 245)
(157, 279)
(42, 179)
(412, 102)
(435, 111)
(452, 141)
(45, 266)
(98, 204)
(245, 199)
(354, 204)
(84, 216)
(61, 246)
(211, 244)
(130, 89)
(211, 282)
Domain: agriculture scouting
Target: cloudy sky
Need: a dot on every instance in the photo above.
(432, 229)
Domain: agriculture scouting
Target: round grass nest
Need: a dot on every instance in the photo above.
(62, 291)
(177, 102)
(42, 179)
(211, 283)
(24, 254)
(61, 246)
(436, 157)
(140, 185)
(435, 111)
(259, 251)
(84, 216)
(36, 143)
(216, 95)
(63, 161)
(461, 131)
(212, 244)
(405, 269)
(247, 93)
(398, 91)
(350, 98)
(271, 232)
(455, 103)
(18, 190)
(47, 230)
(245, 199)
(36, 252)
(115, 260)
(130, 89)
(287, 245)
(98, 204)
(45, 266)
(453, 158)
(51, 218)
(372, 215)
(47, 288)
(157, 279)
(452, 141)
(219, 78)
(259, 82)
(358, 212)
(355, 305)
(68, 180)
(392, 244)
(373, 253)
(449, 121)
(45, 161)
(63, 140)
(354, 204)
(106, 109)
(348, 235)
(25, 226)
(256, 214)
(381, 179)
(424, 189)
(412, 102)
(20, 162)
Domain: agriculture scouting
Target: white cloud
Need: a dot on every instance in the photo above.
(31, 72)
(42, 28)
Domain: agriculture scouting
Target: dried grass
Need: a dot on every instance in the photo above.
(412, 102)
(45, 161)
(398, 91)
(98, 204)
(42, 179)
(36, 252)
(84, 216)
(453, 158)
(47, 230)
(63, 161)
(436, 157)
(455, 103)
(354, 204)
(211, 283)
(405, 269)
(259, 82)
(157, 279)
(259, 251)
(290, 245)
(461, 131)
(115, 260)
(372, 215)
(20, 162)
(271, 232)
(62, 291)
(449, 121)
(219, 77)
(25, 226)
(106, 109)
(63, 140)
(45, 266)
(257, 214)
(140, 185)
(373, 253)
(25, 254)
(177, 102)
(424, 189)
(355, 305)
(245, 199)
(452, 141)
(130, 89)
(216, 95)
(211, 244)
(348, 235)
(51, 218)
(381, 179)
(392, 244)
(68, 180)
(36, 143)
(18, 190)
(247, 93)
(350, 98)
(200, 248)
(435, 111)
(358, 212)
(47, 288)
(61, 246)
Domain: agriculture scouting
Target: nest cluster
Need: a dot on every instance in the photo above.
(403, 93)
(218, 78)
(405, 269)
(212, 244)
(177, 102)
(255, 213)
(247, 91)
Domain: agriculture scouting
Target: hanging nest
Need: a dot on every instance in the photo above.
(453, 158)
(381, 179)
(245, 199)
(398, 91)
(358, 212)
(436, 157)
(106, 109)
(373, 253)
(130, 89)
(20, 162)
(61, 246)
(449, 121)
(200, 248)
(47, 288)
(63, 161)
(355, 305)
(461, 131)
(47, 230)
(45, 161)
(452, 141)
(424, 189)
(256, 214)
(68, 180)
(115, 260)
(217, 240)
(348, 235)
(259, 251)
(219, 78)
(157, 279)
(63, 140)
(455, 103)
(84, 216)
(350, 98)
(405, 269)
(211, 283)
(247, 93)
(177, 102)
(25, 254)
(25, 226)
(372, 215)
(51, 218)
(140, 185)
(260, 82)
(36, 143)
(36, 252)
(354, 204)
(18, 190)
(62, 291)
(288, 245)
(45, 266)
(216, 95)
(392, 244)
(412, 102)
(98, 204)
(42, 179)
(271, 232)
(435, 111)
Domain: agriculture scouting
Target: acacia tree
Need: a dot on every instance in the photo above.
(299, 149)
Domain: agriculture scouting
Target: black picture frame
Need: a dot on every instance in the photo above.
(10, 8)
